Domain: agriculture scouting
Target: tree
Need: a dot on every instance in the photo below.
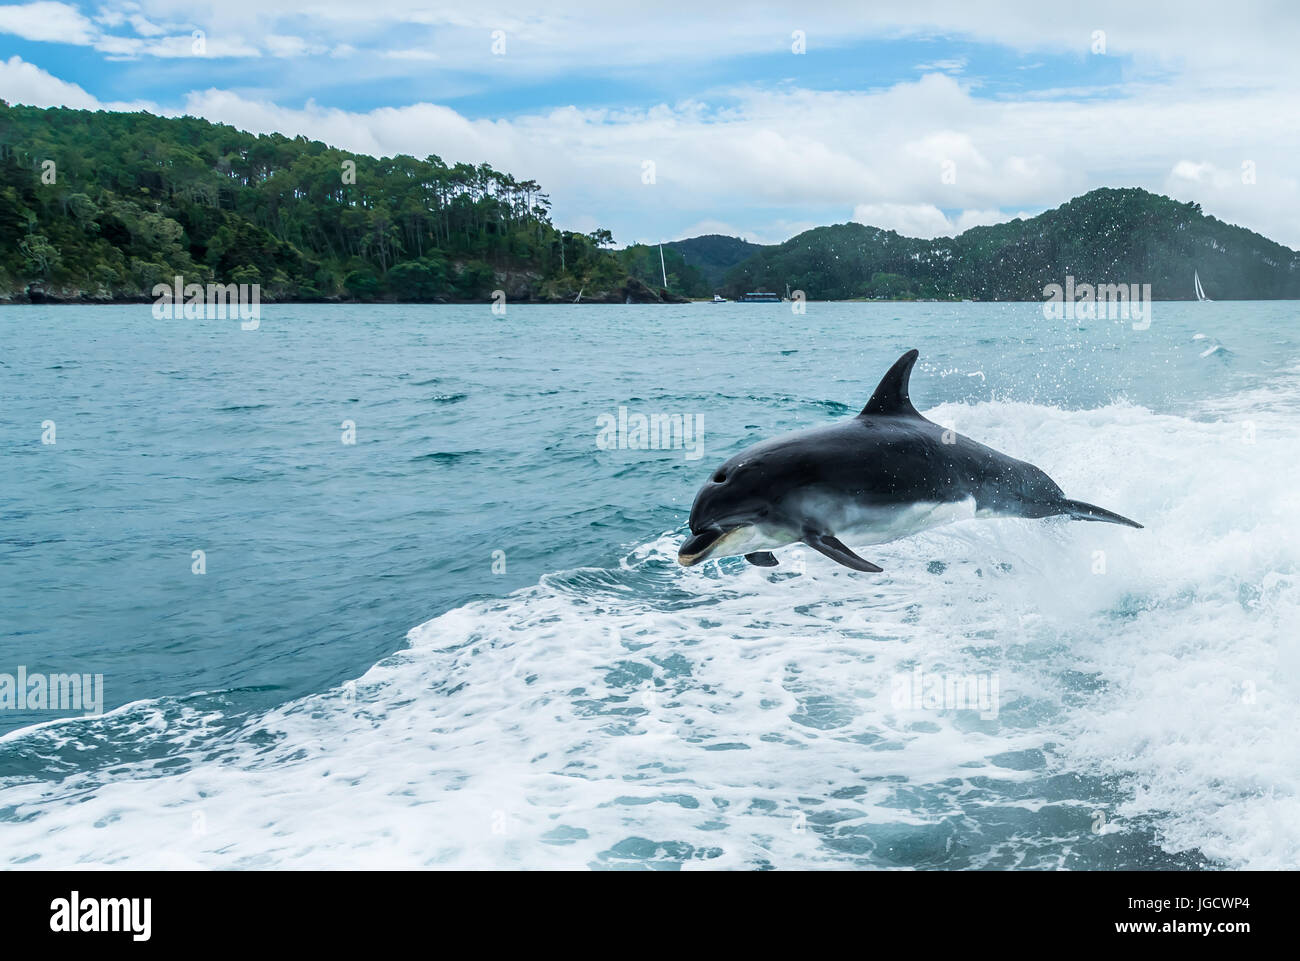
(419, 280)
(39, 255)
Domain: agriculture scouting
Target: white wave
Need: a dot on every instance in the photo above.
(743, 717)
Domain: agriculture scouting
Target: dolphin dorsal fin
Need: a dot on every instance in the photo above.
(890, 397)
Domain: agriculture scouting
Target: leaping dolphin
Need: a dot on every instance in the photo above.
(886, 473)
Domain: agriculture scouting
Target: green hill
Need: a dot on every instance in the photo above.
(100, 206)
(712, 255)
(1127, 236)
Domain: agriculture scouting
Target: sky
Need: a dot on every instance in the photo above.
(671, 119)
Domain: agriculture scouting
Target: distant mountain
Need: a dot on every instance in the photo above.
(714, 254)
(1107, 236)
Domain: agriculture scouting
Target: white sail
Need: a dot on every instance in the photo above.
(1200, 291)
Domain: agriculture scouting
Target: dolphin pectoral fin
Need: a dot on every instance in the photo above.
(762, 559)
(834, 548)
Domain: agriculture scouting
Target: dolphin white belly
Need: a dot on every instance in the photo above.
(754, 537)
(866, 525)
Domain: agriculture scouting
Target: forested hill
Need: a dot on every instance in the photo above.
(1107, 236)
(101, 206)
(712, 255)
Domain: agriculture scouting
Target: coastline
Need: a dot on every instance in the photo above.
(24, 301)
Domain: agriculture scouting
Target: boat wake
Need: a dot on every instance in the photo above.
(1145, 691)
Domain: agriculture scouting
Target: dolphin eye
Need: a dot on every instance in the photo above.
(720, 476)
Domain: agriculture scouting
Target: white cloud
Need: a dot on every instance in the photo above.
(1205, 39)
(144, 27)
(951, 65)
(54, 22)
(110, 18)
(22, 82)
(910, 220)
(279, 45)
(412, 54)
(986, 218)
(1187, 172)
(927, 220)
(205, 46)
(47, 21)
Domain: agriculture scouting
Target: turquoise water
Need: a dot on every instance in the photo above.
(567, 695)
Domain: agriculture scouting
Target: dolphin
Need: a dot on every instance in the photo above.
(884, 474)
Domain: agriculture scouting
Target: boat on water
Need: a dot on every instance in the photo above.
(759, 297)
(1200, 291)
(719, 299)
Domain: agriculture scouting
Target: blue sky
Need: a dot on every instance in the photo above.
(484, 90)
(926, 116)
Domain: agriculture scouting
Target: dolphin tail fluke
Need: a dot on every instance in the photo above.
(1080, 511)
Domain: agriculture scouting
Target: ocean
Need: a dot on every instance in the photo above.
(376, 586)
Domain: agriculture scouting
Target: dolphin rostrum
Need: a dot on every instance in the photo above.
(886, 473)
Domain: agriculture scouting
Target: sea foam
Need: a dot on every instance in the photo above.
(736, 717)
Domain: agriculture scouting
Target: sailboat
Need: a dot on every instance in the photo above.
(1200, 291)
